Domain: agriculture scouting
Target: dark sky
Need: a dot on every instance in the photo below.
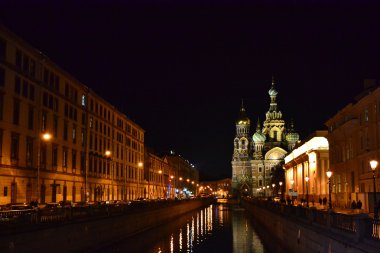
(181, 70)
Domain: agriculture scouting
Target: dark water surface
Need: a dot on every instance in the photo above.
(216, 228)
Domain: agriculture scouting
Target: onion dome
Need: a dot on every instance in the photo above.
(258, 136)
(272, 92)
(243, 118)
(292, 136)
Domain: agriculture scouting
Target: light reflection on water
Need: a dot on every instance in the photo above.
(212, 220)
(216, 228)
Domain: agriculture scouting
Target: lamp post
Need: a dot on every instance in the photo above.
(273, 185)
(108, 155)
(373, 164)
(307, 191)
(45, 137)
(140, 165)
(329, 174)
(267, 190)
(280, 183)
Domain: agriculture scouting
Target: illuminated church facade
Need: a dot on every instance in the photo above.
(255, 156)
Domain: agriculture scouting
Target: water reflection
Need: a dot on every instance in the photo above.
(216, 228)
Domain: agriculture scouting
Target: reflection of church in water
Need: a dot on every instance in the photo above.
(255, 156)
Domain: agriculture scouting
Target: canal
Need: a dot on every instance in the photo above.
(216, 228)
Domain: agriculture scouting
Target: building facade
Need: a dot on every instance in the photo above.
(310, 159)
(354, 138)
(95, 152)
(255, 157)
(185, 175)
(218, 188)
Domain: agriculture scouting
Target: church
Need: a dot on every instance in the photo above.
(255, 156)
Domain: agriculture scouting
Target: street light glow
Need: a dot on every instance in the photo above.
(373, 164)
(46, 136)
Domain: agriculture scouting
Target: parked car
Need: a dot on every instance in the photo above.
(276, 199)
(65, 204)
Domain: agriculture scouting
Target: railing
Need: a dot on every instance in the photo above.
(343, 222)
(21, 218)
(356, 226)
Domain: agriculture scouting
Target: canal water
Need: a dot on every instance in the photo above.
(216, 228)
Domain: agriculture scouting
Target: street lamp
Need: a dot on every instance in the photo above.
(140, 165)
(329, 174)
(273, 185)
(45, 137)
(373, 164)
(108, 155)
(280, 183)
(307, 191)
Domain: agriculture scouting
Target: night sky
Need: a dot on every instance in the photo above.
(181, 70)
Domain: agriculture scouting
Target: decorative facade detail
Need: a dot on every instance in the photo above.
(254, 158)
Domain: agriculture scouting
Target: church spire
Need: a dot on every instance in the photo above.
(258, 128)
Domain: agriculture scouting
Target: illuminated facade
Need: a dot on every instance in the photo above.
(36, 96)
(310, 159)
(185, 175)
(354, 138)
(219, 188)
(159, 176)
(254, 158)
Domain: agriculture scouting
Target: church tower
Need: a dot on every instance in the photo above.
(274, 125)
(241, 173)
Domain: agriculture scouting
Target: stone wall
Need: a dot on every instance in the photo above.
(94, 234)
(297, 235)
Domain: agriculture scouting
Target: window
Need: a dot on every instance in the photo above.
(74, 159)
(16, 111)
(14, 146)
(30, 118)
(82, 137)
(55, 126)
(44, 121)
(65, 130)
(1, 106)
(25, 88)
(3, 45)
(5, 191)
(18, 58)
(43, 156)
(55, 155)
(260, 182)
(1, 142)
(82, 161)
(17, 85)
(366, 117)
(2, 77)
(74, 134)
(64, 158)
(31, 92)
(83, 100)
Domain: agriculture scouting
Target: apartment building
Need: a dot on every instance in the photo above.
(354, 139)
(92, 150)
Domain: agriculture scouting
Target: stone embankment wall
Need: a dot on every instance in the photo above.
(89, 235)
(295, 234)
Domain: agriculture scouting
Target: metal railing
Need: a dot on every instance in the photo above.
(356, 226)
(45, 216)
